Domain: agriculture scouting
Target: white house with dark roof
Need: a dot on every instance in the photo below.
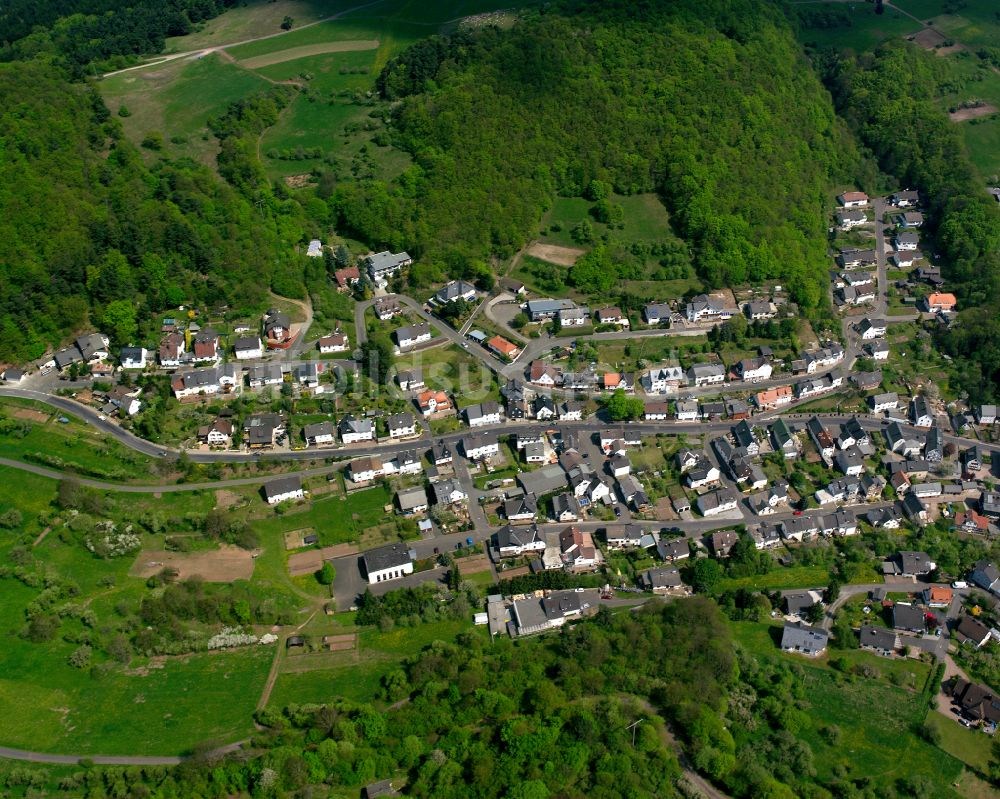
(354, 430)
(383, 265)
(283, 489)
(319, 433)
(246, 348)
(411, 335)
(388, 563)
(401, 425)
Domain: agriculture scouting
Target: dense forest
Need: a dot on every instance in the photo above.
(709, 104)
(87, 35)
(87, 231)
(888, 97)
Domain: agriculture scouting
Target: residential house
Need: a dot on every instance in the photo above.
(880, 640)
(383, 265)
(132, 357)
(543, 408)
(907, 240)
(433, 402)
(900, 443)
(623, 536)
(541, 310)
(411, 335)
(410, 379)
(354, 430)
(938, 596)
(664, 380)
(871, 328)
(971, 631)
(566, 508)
(265, 375)
(347, 277)
(657, 313)
(574, 317)
(388, 563)
(938, 302)
(703, 473)
(481, 446)
(319, 433)
(518, 510)
(612, 315)
(656, 411)
(753, 370)
(704, 308)
(986, 414)
(619, 465)
(247, 348)
(852, 259)
(972, 522)
(715, 502)
(986, 575)
(205, 346)
(412, 501)
(853, 199)
(661, 581)
(453, 292)
(441, 453)
(503, 347)
(544, 374)
(850, 219)
(905, 199)
(484, 413)
(783, 440)
(746, 438)
(336, 342)
(760, 309)
(93, 348)
(909, 618)
(171, 349)
(821, 438)
(364, 470)
(773, 398)
(926, 490)
(217, 434)
(196, 383)
(798, 637)
(878, 349)
(850, 462)
(512, 542)
(277, 326)
(934, 445)
(674, 549)
(577, 548)
(387, 307)
(989, 504)
(283, 489)
(401, 425)
(686, 410)
(888, 401)
(448, 492)
(798, 602)
(612, 381)
(703, 374)
(920, 411)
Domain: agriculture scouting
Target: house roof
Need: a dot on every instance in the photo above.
(502, 345)
(970, 629)
(387, 557)
(282, 485)
(412, 498)
(802, 637)
(907, 617)
(878, 637)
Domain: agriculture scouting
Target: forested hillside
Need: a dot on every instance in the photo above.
(81, 32)
(86, 230)
(889, 98)
(711, 104)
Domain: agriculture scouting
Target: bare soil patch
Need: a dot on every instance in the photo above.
(473, 564)
(928, 38)
(340, 643)
(519, 571)
(226, 499)
(294, 538)
(298, 181)
(29, 414)
(224, 565)
(554, 254)
(305, 50)
(963, 114)
(312, 561)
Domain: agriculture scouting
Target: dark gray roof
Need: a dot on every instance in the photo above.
(801, 637)
(282, 485)
(907, 617)
(878, 637)
(387, 557)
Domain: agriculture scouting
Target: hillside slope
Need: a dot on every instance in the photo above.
(709, 104)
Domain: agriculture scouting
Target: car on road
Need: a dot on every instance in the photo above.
(618, 512)
(102, 417)
(960, 584)
(797, 513)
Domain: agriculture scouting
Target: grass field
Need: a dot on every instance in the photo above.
(74, 446)
(452, 370)
(866, 29)
(779, 577)
(876, 716)
(178, 99)
(335, 519)
(360, 674)
(970, 746)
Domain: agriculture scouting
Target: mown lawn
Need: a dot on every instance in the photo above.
(335, 518)
(970, 746)
(778, 578)
(452, 370)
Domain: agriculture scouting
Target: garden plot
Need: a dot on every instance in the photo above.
(226, 564)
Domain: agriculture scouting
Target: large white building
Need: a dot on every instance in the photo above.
(388, 563)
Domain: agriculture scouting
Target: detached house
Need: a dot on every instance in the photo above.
(336, 342)
(612, 315)
(217, 434)
(512, 542)
(132, 358)
(704, 374)
(277, 326)
(412, 335)
(283, 489)
(383, 265)
(171, 349)
(246, 348)
(206, 346)
(850, 219)
(354, 430)
(704, 308)
(401, 425)
(484, 413)
(319, 433)
(853, 199)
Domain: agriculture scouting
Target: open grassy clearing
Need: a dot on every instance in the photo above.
(875, 716)
(866, 28)
(452, 370)
(73, 446)
(252, 18)
(975, 24)
(350, 70)
(359, 674)
(970, 746)
(293, 53)
(778, 578)
(177, 99)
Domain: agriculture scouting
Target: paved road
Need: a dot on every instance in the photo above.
(103, 760)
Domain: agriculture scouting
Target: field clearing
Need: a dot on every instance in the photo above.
(474, 564)
(293, 53)
(964, 114)
(255, 18)
(302, 563)
(452, 370)
(554, 253)
(866, 29)
(225, 565)
(178, 99)
(970, 746)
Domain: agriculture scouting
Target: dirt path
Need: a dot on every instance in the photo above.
(215, 48)
(307, 310)
(42, 535)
